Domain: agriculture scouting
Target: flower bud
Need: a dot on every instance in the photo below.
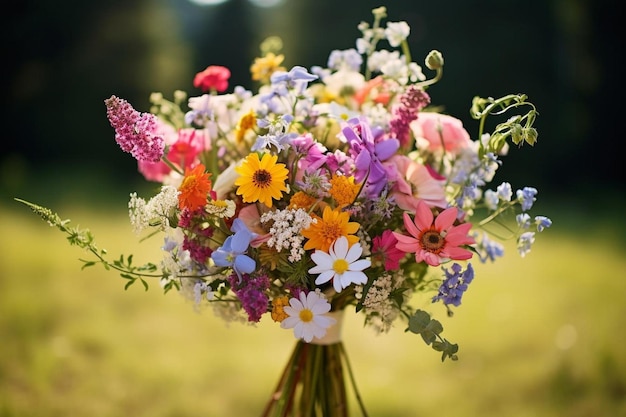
(434, 60)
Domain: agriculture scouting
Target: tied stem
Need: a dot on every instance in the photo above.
(313, 384)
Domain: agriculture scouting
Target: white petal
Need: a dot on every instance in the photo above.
(322, 259)
(360, 265)
(321, 307)
(324, 277)
(324, 321)
(353, 277)
(337, 283)
(289, 322)
(340, 247)
(354, 253)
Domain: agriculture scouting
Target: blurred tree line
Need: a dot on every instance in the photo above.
(63, 59)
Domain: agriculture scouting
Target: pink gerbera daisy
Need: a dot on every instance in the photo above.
(435, 240)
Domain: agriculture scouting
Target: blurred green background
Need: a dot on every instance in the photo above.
(540, 336)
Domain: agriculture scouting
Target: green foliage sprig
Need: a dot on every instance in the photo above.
(518, 127)
(83, 238)
(430, 329)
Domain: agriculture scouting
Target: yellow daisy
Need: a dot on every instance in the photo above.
(261, 180)
(264, 67)
(332, 225)
(246, 123)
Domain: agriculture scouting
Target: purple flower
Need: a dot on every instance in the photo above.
(369, 154)
(135, 132)
(252, 292)
(455, 284)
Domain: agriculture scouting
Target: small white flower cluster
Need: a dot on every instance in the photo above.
(176, 260)
(380, 309)
(155, 212)
(223, 209)
(285, 230)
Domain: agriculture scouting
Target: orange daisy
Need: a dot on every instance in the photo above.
(343, 189)
(332, 225)
(195, 188)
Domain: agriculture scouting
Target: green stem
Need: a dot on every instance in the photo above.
(352, 380)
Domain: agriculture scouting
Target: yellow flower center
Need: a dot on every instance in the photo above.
(340, 266)
(188, 182)
(306, 315)
(262, 178)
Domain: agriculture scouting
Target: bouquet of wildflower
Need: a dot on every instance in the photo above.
(328, 188)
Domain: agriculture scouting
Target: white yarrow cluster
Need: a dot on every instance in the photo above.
(285, 231)
(154, 212)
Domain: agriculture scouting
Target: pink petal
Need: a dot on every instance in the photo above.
(457, 253)
(411, 227)
(405, 243)
(457, 235)
(446, 218)
(423, 216)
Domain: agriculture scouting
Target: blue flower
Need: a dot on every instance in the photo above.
(542, 222)
(489, 249)
(526, 197)
(524, 242)
(523, 220)
(233, 252)
(455, 284)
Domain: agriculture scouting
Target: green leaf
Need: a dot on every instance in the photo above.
(87, 264)
(419, 321)
(429, 334)
(448, 349)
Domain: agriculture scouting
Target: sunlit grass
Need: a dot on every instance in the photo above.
(540, 336)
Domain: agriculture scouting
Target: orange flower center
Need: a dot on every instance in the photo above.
(331, 232)
(432, 241)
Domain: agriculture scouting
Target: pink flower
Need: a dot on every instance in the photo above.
(135, 132)
(184, 148)
(414, 183)
(384, 250)
(438, 241)
(441, 130)
(214, 77)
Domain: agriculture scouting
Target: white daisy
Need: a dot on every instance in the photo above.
(306, 316)
(341, 264)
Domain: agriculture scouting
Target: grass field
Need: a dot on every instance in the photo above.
(539, 337)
